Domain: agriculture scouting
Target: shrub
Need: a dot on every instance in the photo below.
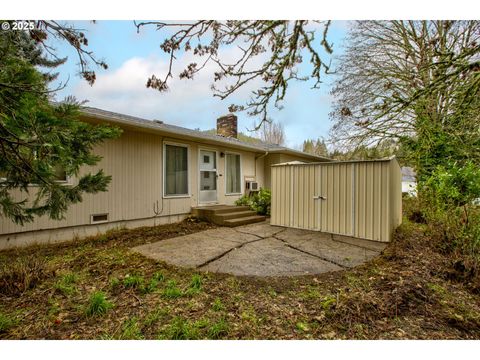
(259, 202)
(448, 205)
(245, 200)
(97, 304)
(22, 274)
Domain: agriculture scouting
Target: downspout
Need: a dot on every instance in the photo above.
(256, 158)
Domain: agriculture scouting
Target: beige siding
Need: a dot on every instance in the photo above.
(361, 199)
(135, 163)
(269, 160)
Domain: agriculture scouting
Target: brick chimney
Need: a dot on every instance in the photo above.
(227, 126)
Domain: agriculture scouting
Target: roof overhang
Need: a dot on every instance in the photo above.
(94, 115)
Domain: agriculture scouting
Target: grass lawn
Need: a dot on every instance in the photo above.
(97, 289)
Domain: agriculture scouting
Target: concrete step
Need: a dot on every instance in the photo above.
(230, 209)
(217, 209)
(234, 215)
(244, 220)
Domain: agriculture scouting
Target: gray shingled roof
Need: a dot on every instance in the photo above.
(178, 130)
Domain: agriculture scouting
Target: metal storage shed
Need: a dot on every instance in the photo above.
(362, 199)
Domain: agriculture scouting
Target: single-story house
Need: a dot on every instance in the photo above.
(159, 173)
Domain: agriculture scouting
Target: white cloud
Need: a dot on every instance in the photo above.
(123, 90)
(190, 103)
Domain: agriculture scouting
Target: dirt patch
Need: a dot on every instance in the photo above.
(402, 294)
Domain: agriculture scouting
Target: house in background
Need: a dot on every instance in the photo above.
(409, 181)
(159, 173)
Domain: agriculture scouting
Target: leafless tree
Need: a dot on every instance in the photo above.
(271, 132)
(284, 44)
(389, 65)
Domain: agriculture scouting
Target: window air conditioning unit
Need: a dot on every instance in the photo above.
(252, 185)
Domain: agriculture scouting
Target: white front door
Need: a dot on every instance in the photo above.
(208, 176)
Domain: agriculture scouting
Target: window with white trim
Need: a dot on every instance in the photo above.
(176, 170)
(233, 178)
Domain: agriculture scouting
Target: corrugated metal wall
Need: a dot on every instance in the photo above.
(357, 198)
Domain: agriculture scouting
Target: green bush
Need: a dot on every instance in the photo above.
(259, 202)
(448, 202)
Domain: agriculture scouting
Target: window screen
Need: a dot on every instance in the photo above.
(233, 174)
(176, 170)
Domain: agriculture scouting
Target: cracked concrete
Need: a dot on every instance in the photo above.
(262, 250)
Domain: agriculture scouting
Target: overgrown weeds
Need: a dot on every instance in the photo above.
(23, 273)
(66, 284)
(98, 304)
(133, 281)
(180, 329)
(172, 291)
(404, 293)
(6, 322)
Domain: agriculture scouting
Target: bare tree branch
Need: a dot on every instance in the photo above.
(283, 43)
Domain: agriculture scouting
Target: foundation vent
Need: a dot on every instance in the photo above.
(98, 218)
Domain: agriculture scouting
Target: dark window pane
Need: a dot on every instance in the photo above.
(176, 170)
(60, 174)
(233, 174)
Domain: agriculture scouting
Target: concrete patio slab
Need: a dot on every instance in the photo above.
(263, 229)
(269, 257)
(323, 246)
(262, 250)
(193, 250)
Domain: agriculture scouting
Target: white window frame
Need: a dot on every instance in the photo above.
(164, 167)
(241, 174)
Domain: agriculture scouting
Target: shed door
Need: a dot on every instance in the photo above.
(333, 198)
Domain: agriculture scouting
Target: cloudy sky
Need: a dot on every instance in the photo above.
(133, 57)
